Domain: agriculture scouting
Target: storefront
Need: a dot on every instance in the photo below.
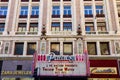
(104, 70)
(16, 70)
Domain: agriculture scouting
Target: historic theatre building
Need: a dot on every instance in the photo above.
(60, 39)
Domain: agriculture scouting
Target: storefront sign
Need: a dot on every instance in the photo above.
(16, 73)
(103, 79)
(56, 65)
(103, 70)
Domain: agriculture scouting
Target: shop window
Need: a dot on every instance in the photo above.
(91, 47)
(88, 11)
(67, 12)
(99, 11)
(104, 48)
(35, 12)
(19, 48)
(31, 48)
(55, 11)
(67, 48)
(55, 26)
(55, 48)
(2, 26)
(33, 27)
(3, 11)
(35, 0)
(67, 26)
(22, 27)
(23, 12)
(19, 67)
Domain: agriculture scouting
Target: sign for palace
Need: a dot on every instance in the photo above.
(56, 65)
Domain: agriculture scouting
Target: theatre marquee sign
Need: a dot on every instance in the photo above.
(74, 65)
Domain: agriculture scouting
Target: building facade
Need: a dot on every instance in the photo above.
(65, 27)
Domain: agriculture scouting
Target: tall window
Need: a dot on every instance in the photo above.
(104, 48)
(89, 26)
(31, 48)
(24, 11)
(2, 25)
(19, 48)
(67, 48)
(33, 27)
(99, 11)
(55, 48)
(67, 26)
(3, 11)
(67, 11)
(88, 11)
(55, 26)
(22, 27)
(91, 47)
(56, 11)
(35, 11)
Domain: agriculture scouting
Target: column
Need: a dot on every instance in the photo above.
(98, 48)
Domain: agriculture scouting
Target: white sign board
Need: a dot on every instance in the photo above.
(61, 65)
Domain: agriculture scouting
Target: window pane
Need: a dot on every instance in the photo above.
(35, 10)
(3, 10)
(55, 48)
(67, 49)
(87, 10)
(67, 10)
(55, 26)
(104, 47)
(24, 10)
(56, 10)
(91, 46)
(67, 26)
(31, 48)
(19, 48)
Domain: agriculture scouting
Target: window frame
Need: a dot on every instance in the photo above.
(55, 11)
(21, 53)
(23, 12)
(67, 27)
(55, 26)
(108, 48)
(35, 12)
(71, 48)
(2, 27)
(89, 10)
(28, 47)
(95, 48)
(67, 12)
(54, 51)
(3, 11)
